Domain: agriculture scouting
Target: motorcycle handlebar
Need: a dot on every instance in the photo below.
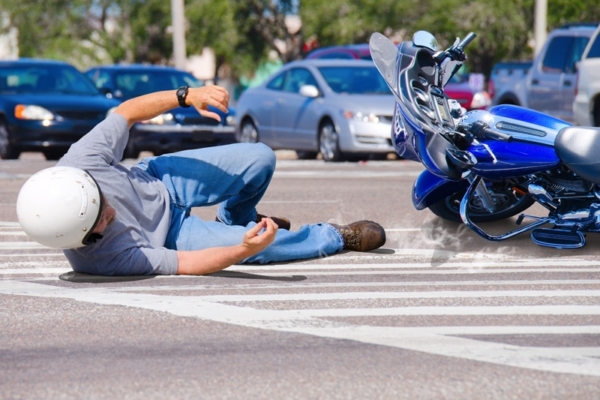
(468, 39)
(483, 131)
(490, 133)
(456, 52)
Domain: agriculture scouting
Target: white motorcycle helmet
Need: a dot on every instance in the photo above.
(59, 207)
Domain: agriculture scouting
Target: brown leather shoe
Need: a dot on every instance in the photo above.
(282, 223)
(362, 235)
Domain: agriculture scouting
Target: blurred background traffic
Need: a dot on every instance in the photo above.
(65, 64)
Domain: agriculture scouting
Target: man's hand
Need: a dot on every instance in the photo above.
(255, 240)
(214, 259)
(205, 96)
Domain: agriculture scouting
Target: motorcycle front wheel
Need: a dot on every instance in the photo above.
(508, 203)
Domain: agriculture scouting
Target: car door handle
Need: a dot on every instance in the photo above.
(567, 83)
(535, 82)
(280, 101)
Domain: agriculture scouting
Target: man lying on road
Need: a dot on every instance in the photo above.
(114, 220)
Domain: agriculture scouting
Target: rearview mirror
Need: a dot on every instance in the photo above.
(425, 39)
(309, 91)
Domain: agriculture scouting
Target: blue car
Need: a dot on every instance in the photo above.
(46, 106)
(179, 129)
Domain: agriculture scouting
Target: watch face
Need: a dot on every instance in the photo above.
(181, 95)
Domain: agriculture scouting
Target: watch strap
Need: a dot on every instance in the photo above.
(182, 93)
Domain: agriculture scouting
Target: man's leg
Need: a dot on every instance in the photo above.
(235, 175)
(315, 240)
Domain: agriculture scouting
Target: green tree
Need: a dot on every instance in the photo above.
(501, 26)
(86, 32)
(242, 32)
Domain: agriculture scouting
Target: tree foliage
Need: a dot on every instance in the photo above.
(242, 33)
(86, 32)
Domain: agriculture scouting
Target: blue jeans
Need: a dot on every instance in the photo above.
(237, 176)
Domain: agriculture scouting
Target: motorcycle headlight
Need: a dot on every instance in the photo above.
(162, 119)
(362, 117)
(481, 100)
(23, 111)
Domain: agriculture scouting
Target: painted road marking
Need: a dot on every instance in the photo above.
(459, 294)
(328, 174)
(433, 340)
(453, 310)
(346, 285)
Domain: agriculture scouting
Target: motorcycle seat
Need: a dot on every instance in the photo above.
(579, 149)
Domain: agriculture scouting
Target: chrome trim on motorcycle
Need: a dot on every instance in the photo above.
(465, 218)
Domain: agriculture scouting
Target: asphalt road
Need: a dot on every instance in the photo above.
(437, 313)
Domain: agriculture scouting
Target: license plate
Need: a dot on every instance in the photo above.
(202, 136)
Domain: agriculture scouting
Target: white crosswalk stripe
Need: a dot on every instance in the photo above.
(344, 299)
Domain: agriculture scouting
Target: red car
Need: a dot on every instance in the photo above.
(459, 88)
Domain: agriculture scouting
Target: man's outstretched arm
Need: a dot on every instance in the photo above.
(200, 262)
(151, 105)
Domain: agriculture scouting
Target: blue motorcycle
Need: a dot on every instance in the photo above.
(483, 166)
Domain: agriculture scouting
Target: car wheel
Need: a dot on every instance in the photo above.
(131, 151)
(54, 154)
(7, 150)
(328, 143)
(248, 133)
(597, 112)
(306, 155)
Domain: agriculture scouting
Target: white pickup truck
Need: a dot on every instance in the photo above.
(587, 101)
(548, 84)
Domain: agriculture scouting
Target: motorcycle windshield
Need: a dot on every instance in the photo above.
(411, 74)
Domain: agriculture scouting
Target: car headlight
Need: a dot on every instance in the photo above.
(161, 119)
(23, 111)
(230, 120)
(481, 100)
(362, 117)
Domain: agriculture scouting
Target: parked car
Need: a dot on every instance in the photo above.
(548, 84)
(340, 108)
(350, 51)
(459, 88)
(178, 129)
(586, 106)
(46, 106)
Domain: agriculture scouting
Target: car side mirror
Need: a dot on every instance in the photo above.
(309, 91)
(107, 92)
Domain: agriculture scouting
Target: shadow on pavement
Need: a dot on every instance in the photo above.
(87, 278)
(244, 275)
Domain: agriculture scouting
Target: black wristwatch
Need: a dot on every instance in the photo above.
(182, 93)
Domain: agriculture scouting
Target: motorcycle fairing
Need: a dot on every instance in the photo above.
(529, 116)
(531, 150)
(409, 70)
(500, 160)
(428, 189)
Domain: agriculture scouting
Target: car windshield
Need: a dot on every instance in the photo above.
(55, 79)
(354, 80)
(137, 83)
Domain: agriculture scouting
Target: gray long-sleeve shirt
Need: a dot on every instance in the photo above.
(134, 243)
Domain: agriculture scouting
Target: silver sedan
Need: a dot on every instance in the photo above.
(340, 108)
